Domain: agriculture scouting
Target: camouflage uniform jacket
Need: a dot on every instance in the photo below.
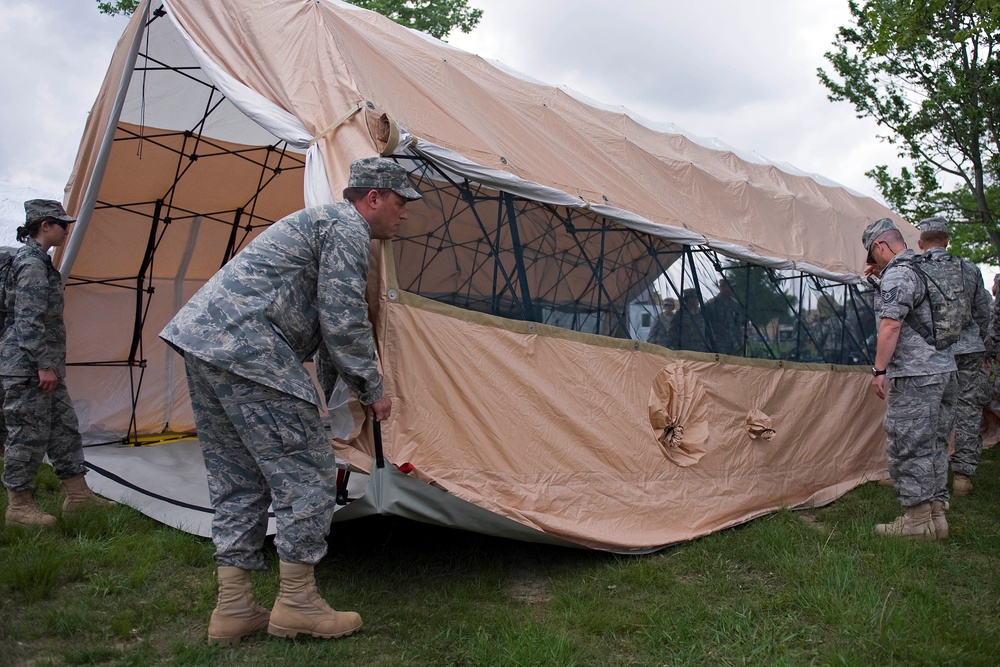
(725, 317)
(975, 332)
(831, 337)
(899, 290)
(36, 337)
(993, 337)
(297, 286)
(687, 331)
(658, 332)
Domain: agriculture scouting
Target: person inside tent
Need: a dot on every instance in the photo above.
(726, 320)
(295, 292)
(36, 405)
(687, 329)
(658, 332)
(829, 332)
(918, 382)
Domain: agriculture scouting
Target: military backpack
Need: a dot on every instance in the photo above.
(6, 260)
(950, 303)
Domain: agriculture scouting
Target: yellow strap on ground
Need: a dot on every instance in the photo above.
(160, 438)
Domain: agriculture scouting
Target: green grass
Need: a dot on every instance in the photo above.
(112, 587)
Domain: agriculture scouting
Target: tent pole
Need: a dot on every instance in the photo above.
(776, 283)
(596, 269)
(761, 334)
(231, 244)
(83, 216)
(140, 281)
(515, 239)
(494, 248)
(599, 272)
(800, 324)
(497, 264)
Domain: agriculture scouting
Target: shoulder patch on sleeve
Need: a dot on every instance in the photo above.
(889, 295)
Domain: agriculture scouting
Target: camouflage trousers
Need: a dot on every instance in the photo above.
(919, 409)
(3, 424)
(39, 424)
(262, 446)
(973, 394)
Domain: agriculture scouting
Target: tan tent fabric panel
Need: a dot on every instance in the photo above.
(555, 433)
(199, 190)
(321, 58)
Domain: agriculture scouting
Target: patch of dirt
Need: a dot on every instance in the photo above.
(531, 588)
(810, 520)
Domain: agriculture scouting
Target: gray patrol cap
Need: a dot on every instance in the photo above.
(378, 172)
(46, 208)
(873, 231)
(933, 224)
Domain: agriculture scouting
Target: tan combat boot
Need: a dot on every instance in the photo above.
(21, 508)
(235, 615)
(79, 494)
(299, 608)
(915, 524)
(939, 519)
(960, 485)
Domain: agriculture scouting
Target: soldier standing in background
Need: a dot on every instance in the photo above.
(687, 329)
(915, 378)
(993, 348)
(970, 353)
(830, 331)
(658, 332)
(295, 292)
(37, 408)
(725, 317)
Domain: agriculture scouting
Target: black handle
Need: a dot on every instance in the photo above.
(379, 458)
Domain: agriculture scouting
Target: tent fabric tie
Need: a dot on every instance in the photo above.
(758, 426)
(679, 415)
(357, 107)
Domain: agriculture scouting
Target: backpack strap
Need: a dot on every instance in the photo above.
(911, 318)
(4, 284)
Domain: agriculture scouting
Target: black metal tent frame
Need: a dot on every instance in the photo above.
(522, 239)
(594, 309)
(242, 221)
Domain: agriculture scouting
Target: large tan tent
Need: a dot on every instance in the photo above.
(511, 313)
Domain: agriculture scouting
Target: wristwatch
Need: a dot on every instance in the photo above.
(878, 372)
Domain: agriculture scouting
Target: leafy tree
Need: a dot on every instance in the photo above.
(764, 307)
(116, 7)
(436, 17)
(761, 296)
(928, 72)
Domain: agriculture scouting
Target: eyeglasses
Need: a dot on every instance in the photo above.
(871, 260)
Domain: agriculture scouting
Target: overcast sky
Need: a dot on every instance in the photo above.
(741, 71)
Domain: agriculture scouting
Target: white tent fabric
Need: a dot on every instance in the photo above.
(167, 482)
(268, 115)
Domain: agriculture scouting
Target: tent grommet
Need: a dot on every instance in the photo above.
(393, 295)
